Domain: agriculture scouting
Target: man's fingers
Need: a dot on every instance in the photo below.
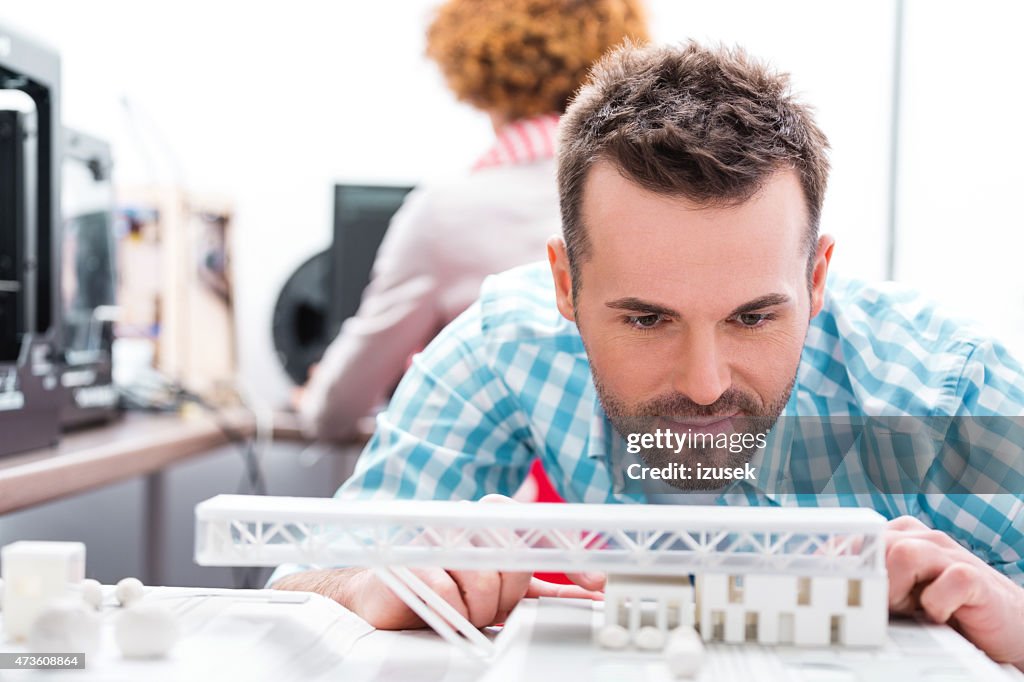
(445, 586)
(542, 588)
(911, 561)
(957, 586)
(936, 537)
(480, 591)
(589, 580)
(374, 601)
(513, 589)
(906, 523)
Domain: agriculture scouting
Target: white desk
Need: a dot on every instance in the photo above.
(266, 635)
(270, 635)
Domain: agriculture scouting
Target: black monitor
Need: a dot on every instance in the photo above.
(362, 214)
(327, 288)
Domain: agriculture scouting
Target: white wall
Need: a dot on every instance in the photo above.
(839, 56)
(271, 105)
(961, 233)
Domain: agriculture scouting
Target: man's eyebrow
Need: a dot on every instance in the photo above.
(766, 301)
(639, 305)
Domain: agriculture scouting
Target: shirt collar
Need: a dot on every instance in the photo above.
(524, 141)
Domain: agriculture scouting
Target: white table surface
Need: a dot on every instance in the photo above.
(271, 635)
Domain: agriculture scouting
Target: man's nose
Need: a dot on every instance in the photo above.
(701, 373)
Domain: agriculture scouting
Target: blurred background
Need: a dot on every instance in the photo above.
(212, 139)
(270, 107)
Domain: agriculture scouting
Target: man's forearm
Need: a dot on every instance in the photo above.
(330, 582)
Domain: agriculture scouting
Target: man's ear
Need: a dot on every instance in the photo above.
(822, 258)
(560, 273)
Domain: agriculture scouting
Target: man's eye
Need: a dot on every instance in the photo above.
(644, 321)
(753, 320)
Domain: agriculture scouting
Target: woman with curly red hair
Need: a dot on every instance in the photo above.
(520, 62)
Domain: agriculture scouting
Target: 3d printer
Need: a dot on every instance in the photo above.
(30, 155)
(88, 282)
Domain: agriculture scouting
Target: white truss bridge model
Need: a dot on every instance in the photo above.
(838, 554)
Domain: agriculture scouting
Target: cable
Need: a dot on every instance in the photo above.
(154, 392)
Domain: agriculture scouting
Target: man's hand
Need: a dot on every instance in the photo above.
(482, 597)
(929, 570)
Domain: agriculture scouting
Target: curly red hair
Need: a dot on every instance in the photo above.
(523, 58)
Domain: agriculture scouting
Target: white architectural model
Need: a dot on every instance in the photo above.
(92, 593)
(779, 575)
(129, 591)
(34, 574)
(645, 609)
(146, 630)
(64, 625)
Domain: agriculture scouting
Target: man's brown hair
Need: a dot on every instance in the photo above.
(522, 58)
(708, 124)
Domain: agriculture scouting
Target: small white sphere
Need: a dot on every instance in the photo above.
(684, 652)
(64, 625)
(145, 631)
(649, 638)
(129, 591)
(613, 637)
(92, 592)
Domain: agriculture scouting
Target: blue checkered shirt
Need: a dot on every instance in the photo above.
(509, 381)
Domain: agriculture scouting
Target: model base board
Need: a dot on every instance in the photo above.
(772, 575)
(553, 639)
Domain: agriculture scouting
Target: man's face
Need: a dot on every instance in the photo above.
(693, 317)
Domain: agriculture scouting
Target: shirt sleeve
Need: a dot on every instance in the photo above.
(396, 317)
(986, 433)
(452, 429)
